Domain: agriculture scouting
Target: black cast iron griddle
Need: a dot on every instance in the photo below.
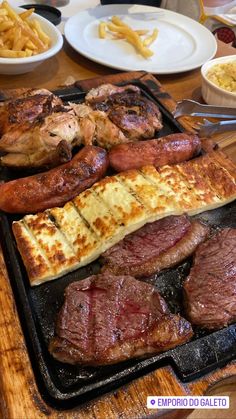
(63, 385)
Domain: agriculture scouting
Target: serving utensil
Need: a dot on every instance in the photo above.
(210, 128)
(190, 107)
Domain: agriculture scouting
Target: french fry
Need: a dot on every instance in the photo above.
(8, 53)
(132, 37)
(27, 13)
(151, 38)
(138, 31)
(27, 31)
(11, 13)
(30, 45)
(102, 30)
(41, 34)
(120, 30)
(118, 22)
(19, 35)
(20, 43)
(141, 31)
(5, 25)
(28, 52)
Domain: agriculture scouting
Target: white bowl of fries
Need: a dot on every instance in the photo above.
(26, 40)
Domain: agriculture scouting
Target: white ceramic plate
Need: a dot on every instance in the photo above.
(182, 44)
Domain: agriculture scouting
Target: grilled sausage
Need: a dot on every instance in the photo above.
(55, 187)
(173, 148)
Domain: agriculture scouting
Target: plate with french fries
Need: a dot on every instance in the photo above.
(26, 39)
(135, 37)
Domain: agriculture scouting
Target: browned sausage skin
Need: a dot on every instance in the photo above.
(172, 149)
(56, 186)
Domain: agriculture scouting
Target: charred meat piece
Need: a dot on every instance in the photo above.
(56, 186)
(96, 128)
(210, 289)
(107, 319)
(37, 130)
(25, 109)
(105, 91)
(172, 149)
(137, 116)
(44, 144)
(155, 246)
(7, 94)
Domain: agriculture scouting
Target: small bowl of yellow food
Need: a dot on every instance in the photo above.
(26, 39)
(219, 81)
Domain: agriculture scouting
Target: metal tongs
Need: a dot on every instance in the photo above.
(190, 107)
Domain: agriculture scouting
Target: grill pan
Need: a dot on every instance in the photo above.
(64, 386)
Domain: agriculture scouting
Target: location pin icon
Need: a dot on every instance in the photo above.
(152, 401)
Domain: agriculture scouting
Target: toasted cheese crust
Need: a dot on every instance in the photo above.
(61, 240)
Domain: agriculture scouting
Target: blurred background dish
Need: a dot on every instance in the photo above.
(212, 93)
(182, 43)
(48, 12)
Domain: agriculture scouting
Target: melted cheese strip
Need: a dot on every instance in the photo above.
(61, 240)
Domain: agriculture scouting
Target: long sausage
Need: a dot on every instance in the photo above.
(56, 186)
(173, 148)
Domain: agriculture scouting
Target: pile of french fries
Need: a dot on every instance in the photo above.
(19, 35)
(120, 30)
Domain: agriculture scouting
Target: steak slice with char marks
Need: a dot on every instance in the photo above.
(106, 319)
(156, 246)
(210, 288)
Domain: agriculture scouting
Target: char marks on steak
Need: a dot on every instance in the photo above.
(156, 246)
(210, 288)
(106, 319)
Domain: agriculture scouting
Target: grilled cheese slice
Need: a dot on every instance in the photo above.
(123, 205)
(60, 240)
(82, 239)
(154, 198)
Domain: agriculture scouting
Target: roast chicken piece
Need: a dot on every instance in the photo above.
(29, 134)
(45, 144)
(136, 116)
(25, 107)
(38, 131)
(96, 128)
(104, 91)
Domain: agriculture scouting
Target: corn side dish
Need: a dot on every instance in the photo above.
(224, 76)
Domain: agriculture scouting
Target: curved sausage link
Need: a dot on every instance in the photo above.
(56, 186)
(172, 149)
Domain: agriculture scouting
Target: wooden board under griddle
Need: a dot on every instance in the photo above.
(126, 403)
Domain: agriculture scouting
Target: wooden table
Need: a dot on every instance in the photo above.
(20, 397)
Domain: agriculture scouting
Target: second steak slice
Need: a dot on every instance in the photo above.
(106, 319)
(155, 246)
(210, 288)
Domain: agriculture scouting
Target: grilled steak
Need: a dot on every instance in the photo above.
(211, 286)
(155, 246)
(106, 319)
